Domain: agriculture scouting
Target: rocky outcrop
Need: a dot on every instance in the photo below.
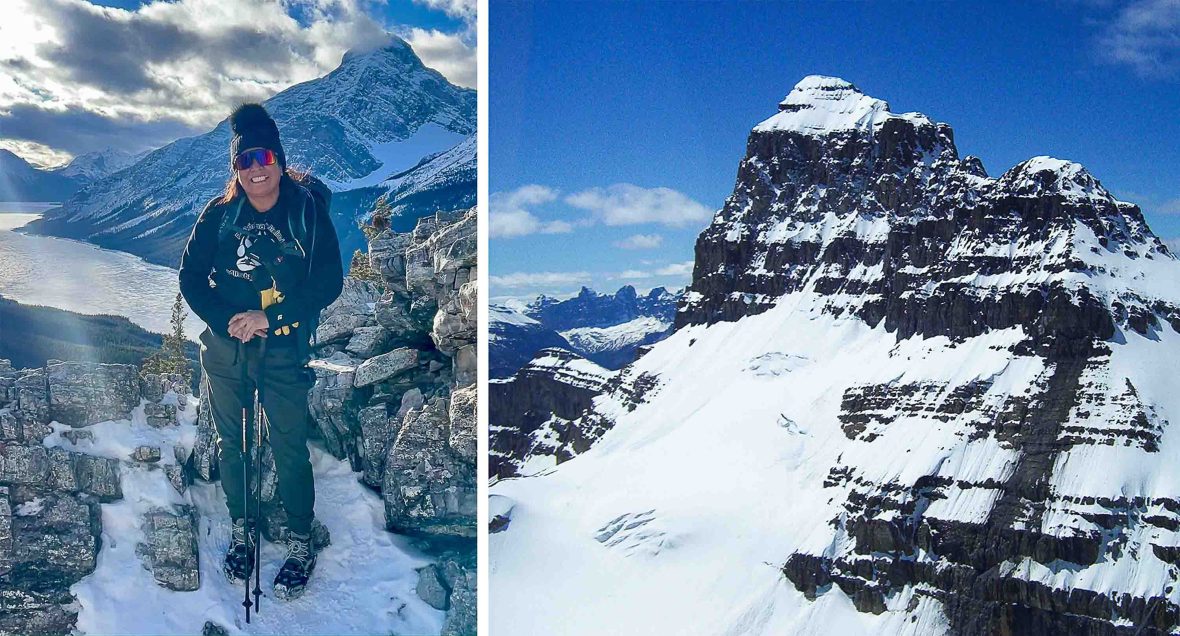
(449, 585)
(428, 487)
(169, 549)
(49, 540)
(535, 413)
(50, 518)
(547, 413)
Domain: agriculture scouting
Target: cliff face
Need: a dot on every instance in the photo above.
(933, 394)
(533, 413)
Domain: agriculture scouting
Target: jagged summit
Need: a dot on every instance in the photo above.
(879, 214)
(819, 103)
(1044, 176)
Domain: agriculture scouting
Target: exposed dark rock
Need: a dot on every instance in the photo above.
(83, 393)
(170, 549)
(428, 487)
(146, 454)
(48, 541)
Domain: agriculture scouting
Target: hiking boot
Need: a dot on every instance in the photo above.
(292, 578)
(239, 558)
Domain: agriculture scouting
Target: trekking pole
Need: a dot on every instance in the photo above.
(245, 396)
(258, 415)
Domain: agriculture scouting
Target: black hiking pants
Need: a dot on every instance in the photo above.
(284, 406)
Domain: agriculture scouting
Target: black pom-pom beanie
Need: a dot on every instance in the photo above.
(252, 127)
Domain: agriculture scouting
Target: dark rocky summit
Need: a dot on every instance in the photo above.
(874, 216)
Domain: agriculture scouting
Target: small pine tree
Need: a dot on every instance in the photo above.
(170, 358)
(360, 268)
(378, 220)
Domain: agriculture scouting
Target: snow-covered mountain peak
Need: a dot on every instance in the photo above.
(1046, 176)
(822, 104)
(891, 382)
(395, 45)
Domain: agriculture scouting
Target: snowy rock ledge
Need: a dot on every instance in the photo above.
(51, 522)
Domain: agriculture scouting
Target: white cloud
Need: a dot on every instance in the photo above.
(679, 270)
(1144, 35)
(1171, 206)
(627, 204)
(508, 213)
(676, 269)
(519, 280)
(462, 9)
(447, 53)
(40, 155)
(640, 242)
(190, 61)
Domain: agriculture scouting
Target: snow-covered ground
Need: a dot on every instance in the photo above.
(679, 519)
(615, 337)
(364, 581)
(396, 156)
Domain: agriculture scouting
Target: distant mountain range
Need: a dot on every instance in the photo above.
(380, 124)
(608, 329)
(23, 181)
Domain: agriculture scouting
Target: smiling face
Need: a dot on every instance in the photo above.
(260, 182)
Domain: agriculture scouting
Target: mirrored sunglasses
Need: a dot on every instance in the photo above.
(264, 157)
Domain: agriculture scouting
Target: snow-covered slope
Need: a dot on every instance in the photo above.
(376, 115)
(20, 181)
(621, 337)
(96, 165)
(367, 575)
(903, 397)
(514, 338)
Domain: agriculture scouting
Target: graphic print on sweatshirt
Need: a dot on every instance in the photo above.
(246, 263)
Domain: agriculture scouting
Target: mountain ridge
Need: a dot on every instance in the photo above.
(342, 127)
(881, 410)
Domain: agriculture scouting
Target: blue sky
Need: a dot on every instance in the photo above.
(587, 96)
(78, 76)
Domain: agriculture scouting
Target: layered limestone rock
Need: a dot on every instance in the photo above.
(169, 549)
(50, 524)
(995, 458)
(536, 413)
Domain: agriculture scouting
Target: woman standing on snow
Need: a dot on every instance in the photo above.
(262, 261)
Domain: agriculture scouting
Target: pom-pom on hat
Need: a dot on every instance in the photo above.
(252, 127)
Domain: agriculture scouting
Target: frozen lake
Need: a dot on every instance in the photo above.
(67, 274)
